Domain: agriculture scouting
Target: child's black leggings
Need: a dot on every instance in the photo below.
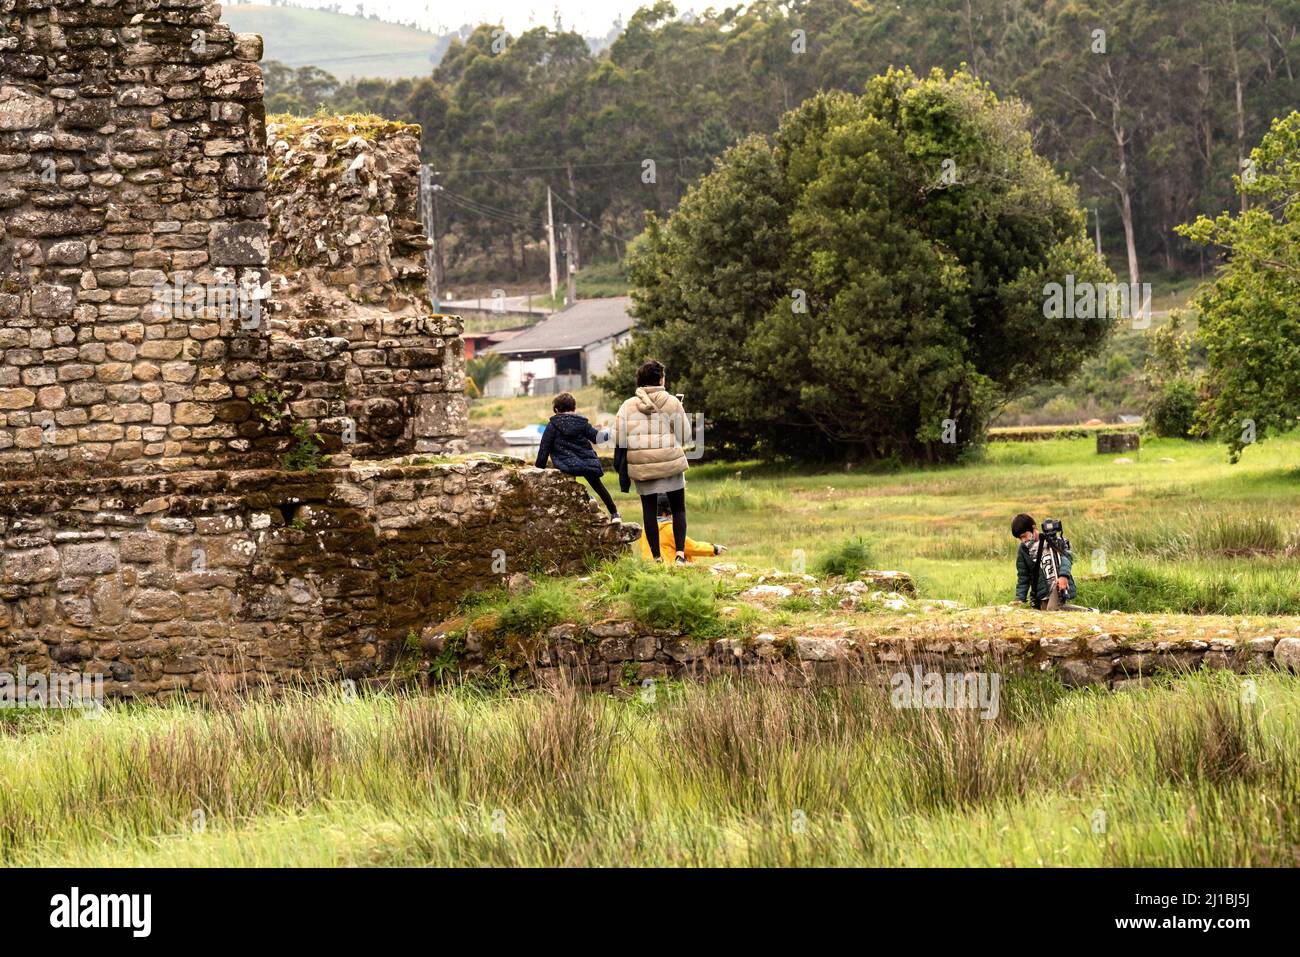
(650, 513)
(599, 487)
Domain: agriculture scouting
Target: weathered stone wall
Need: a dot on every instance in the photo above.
(344, 206)
(154, 372)
(132, 148)
(620, 654)
(196, 580)
(356, 347)
(140, 329)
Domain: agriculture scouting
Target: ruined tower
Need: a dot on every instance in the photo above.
(215, 378)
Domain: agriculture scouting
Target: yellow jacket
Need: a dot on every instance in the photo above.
(668, 548)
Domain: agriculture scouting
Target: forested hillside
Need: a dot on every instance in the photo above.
(1150, 106)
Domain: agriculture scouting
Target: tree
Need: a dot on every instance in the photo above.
(1250, 313)
(1172, 400)
(870, 283)
(483, 368)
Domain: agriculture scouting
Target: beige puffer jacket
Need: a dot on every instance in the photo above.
(653, 426)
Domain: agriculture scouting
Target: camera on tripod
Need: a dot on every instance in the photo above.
(1051, 529)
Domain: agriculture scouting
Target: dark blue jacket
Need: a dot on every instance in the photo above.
(567, 442)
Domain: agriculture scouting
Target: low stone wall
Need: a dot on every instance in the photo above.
(192, 581)
(620, 654)
(1043, 433)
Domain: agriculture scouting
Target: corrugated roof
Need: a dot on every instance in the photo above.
(582, 324)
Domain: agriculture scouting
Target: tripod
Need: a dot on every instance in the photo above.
(1056, 544)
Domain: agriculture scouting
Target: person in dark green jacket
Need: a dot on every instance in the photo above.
(1055, 585)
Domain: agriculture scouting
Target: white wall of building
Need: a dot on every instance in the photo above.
(510, 383)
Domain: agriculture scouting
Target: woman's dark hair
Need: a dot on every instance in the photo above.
(1020, 524)
(662, 505)
(650, 373)
(564, 402)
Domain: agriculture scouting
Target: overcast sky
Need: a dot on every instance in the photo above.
(589, 17)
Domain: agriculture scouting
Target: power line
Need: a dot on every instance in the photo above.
(526, 169)
(595, 226)
(491, 211)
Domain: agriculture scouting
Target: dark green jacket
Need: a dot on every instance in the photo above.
(1025, 564)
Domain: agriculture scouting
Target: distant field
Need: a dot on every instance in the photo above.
(345, 46)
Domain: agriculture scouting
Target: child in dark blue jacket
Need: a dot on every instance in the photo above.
(567, 441)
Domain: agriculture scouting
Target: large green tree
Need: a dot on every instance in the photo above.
(1250, 313)
(870, 279)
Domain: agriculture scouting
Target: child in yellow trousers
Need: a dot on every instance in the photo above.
(694, 549)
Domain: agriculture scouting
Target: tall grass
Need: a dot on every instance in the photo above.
(1193, 590)
(1200, 533)
(1185, 773)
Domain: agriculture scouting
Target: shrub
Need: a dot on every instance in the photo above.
(667, 600)
(847, 559)
(1171, 414)
(547, 604)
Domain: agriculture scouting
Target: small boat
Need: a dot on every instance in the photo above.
(528, 435)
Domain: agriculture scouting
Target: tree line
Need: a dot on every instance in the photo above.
(1149, 106)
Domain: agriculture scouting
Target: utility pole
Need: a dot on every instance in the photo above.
(426, 220)
(429, 217)
(1096, 221)
(550, 241)
(571, 254)
(437, 244)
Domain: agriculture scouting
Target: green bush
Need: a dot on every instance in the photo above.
(847, 560)
(1171, 414)
(667, 600)
(547, 604)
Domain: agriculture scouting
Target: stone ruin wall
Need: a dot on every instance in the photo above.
(355, 345)
(149, 530)
(142, 328)
(132, 156)
(201, 580)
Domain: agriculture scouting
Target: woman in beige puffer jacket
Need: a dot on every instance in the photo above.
(653, 427)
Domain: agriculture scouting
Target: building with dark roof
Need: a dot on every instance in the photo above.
(565, 351)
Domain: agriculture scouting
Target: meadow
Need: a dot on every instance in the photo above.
(1192, 772)
(1175, 528)
(1200, 769)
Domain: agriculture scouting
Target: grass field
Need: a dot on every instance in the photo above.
(1186, 773)
(1174, 527)
(1179, 529)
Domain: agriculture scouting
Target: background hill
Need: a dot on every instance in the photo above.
(342, 45)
